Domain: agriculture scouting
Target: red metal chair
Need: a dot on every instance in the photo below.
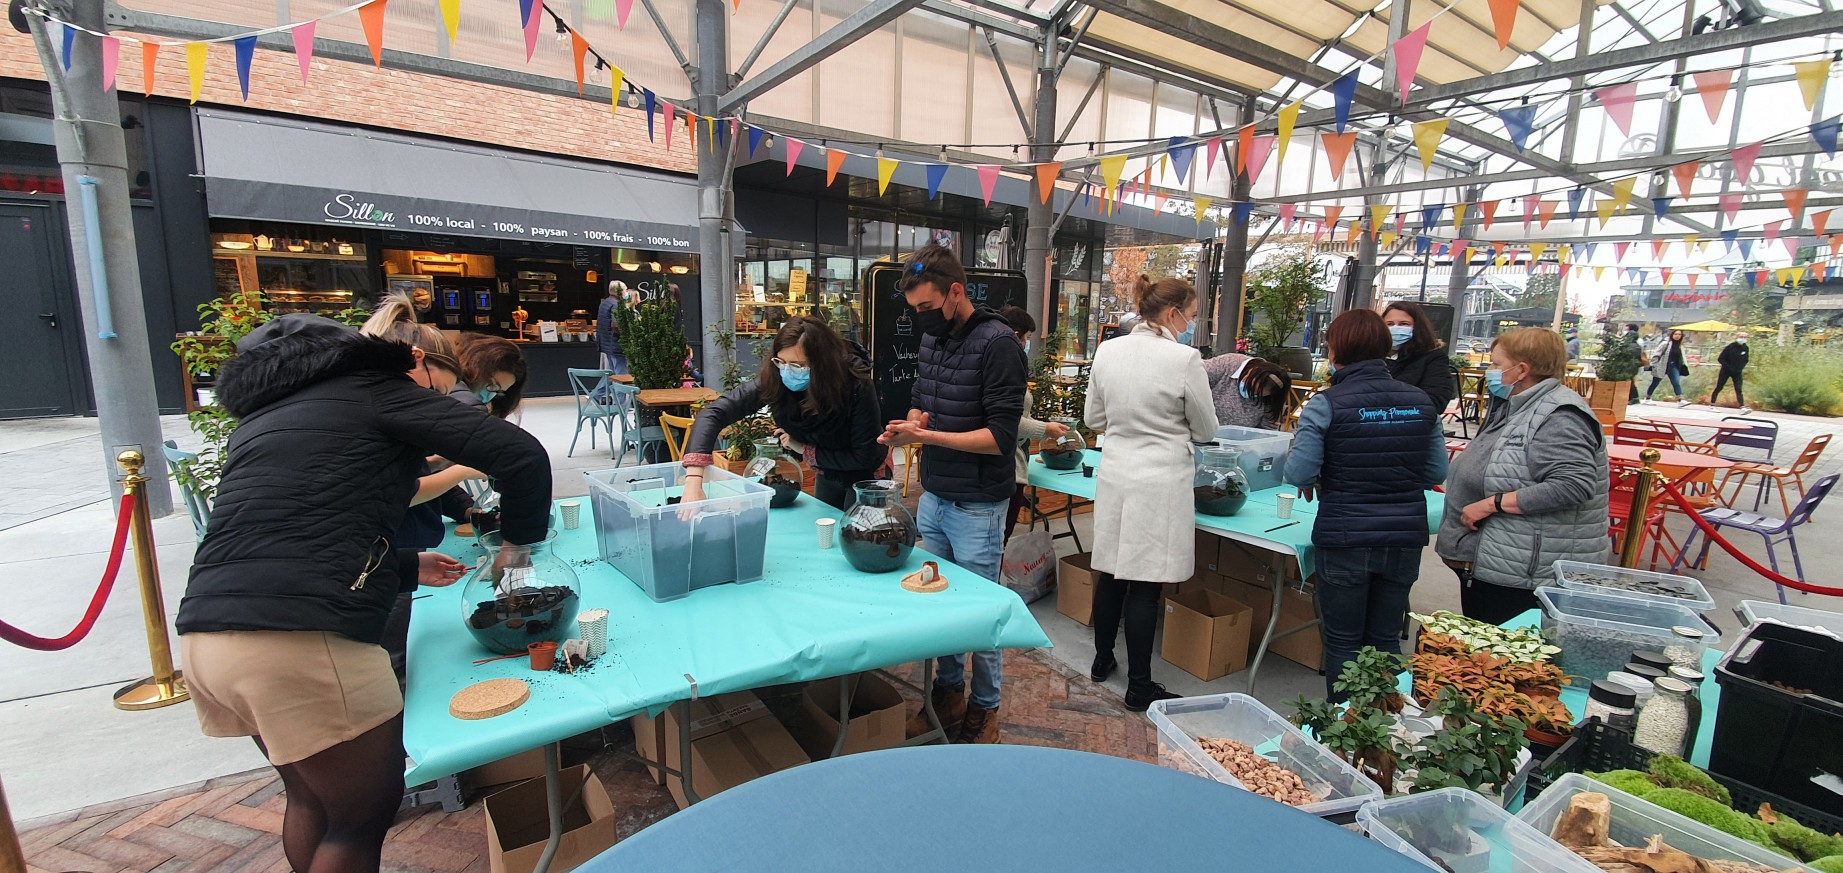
(1637, 433)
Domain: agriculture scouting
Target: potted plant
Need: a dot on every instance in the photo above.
(1369, 681)
(1549, 723)
(1280, 294)
(1365, 739)
(656, 348)
(742, 437)
(1619, 363)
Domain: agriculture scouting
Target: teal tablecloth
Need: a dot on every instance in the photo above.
(812, 616)
(1254, 524)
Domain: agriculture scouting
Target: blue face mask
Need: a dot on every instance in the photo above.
(1494, 383)
(1190, 332)
(1401, 333)
(1243, 388)
(486, 395)
(795, 378)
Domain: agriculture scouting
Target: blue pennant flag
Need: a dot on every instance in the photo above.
(1660, 205)
(723, 134)
(1746, 249)
(1182, 152)
(1728, 237)
(526, 8)
(1518, 121)
(755, 139)
(1750, 280)
(1430, 215)
(651, 101)
(1344, 90)
(1242, 210)
(246, 51)
(1423, 245)
(1574, 202)
(936, 173)
(70, 39)
(1825, 132)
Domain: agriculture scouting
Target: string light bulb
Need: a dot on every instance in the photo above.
(1836, 65)
(633, 100)
(563, 36)
(1676, 90)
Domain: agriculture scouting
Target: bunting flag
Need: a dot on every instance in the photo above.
(936, 174)
(1691, 243)
(1430, 215)
(1824, 133)
(1244, 142)
(1258, 150)
(670, 120)
(1427, 136)
(195, 66)
(1657, 249)
(1211, 148)
(1794, 201)
(1378, 214)
(1503, 18)
(1574, 201)
(691, 130)
(988, 179)
(245, 48)
(150, 53)
(1288, 211)
(1836, 245)
(303, 34)
(451, 19)
(1771, 231)
(579, 49)
(1356, 229)
(1408, 51)
(1499, 247)
(1423, 245)
(1401, 219)
(1389, 238)
(1811, 75)
(1289, 116)
(1660, 206)
(1743, 158)
(111, 57)
(1331, 215)
(1242, 211)
(1604, 206)
(1686, 176)
(793, 151)
(648, 95)
(1791, 245)
(1820, 220)
(1487, 209)
(1529, 210)
(1619, 250)
(1461, 248)
(1337, 150)
(1617, 101)
(1727, 240)
(1692, 281)
(1730, 205)
(1789, 275)
(835, 158)
(1665, 273)
(528, 20)
(1746, 249)
(1046, 179)
(1622, 192)
(371, 17)
(1182, 150)
(1111, 168)
(621, 10)
(1713, 86)
(1158, 202)
(755, 133)
(1203, 208)
(1343, 91)
(886, 167)
(1519, 122)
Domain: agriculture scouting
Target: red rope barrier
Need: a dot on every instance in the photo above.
(18, 637)
(1708, 530)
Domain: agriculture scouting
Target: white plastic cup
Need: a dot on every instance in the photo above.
(1283, 505)
(593, 625)
(572, 513)
(828, 528)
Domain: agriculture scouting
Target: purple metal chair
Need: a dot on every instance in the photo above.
(1767, 527)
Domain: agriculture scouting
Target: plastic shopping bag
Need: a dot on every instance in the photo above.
(1029, 565)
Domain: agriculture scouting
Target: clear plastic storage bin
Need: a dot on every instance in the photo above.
(1461, 831)
(1755, 611)
(1243, 719)
(1597, 633)
(1579, 576)
(667, 556)
(1263, 453)
(1635, 821)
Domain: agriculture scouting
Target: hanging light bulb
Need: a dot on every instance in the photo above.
(633, 100)
(1676, 90)
(1836, 65)
(563, 36)
(767, 140)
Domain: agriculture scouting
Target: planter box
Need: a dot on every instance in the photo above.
(1611, 395)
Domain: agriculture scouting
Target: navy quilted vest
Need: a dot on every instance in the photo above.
(950, 389)
(1371, 491)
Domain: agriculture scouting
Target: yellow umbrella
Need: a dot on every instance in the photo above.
(1707, 326)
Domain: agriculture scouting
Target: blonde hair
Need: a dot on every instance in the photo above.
(1542, 349)
(395, 319)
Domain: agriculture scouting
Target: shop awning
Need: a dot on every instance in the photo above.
(257, 167)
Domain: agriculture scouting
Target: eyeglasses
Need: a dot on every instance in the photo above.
(440, 360)
(789, 365)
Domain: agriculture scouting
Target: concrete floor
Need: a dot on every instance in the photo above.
(64, 747)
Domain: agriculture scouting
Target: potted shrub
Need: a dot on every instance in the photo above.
(1369, 682)
(1280, 294)
(1619, 363)
(655, 347)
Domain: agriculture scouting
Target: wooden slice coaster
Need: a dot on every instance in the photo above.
(489, 698)
(927, 580)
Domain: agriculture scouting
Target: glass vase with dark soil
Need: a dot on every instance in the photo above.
(1063, 452)
(1219, 487)
(877, 533)
(523, 594)
(772, 467)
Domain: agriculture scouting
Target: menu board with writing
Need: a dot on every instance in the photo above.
(895, 344)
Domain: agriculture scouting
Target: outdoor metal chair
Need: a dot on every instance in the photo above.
(197, 506)
(1777, 475)
(1772, 530)
(626, 403)
(1473, 401)
(1638, 433)
(1761, 435)
(586, 385)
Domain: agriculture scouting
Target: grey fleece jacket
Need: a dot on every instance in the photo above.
(1562, 462)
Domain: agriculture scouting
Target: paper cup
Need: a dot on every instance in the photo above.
(593, 625)
(572, 513)
(1283, 505)
(828, 528)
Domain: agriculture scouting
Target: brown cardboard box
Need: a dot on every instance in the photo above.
(1296, 608)
(1075, 578)
(518, 823)
(734, 738)
(528, 764)
(708, 715)
(1209, 552)
(1250, 564)
(878, 717)
(1207, 634)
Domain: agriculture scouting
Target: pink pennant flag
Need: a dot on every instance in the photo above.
(621, 9)
(671, 117)
(1692, 281)
(1401, 220)
(1713, 86)
(1743, 161)
(1258, 150)
(303, 34)
(1619, 250)
(1530, 202)
(1211, 148)
(1288, 211)
(988, 178)
(793, 152)
(1545, 210)
(1617, 101)
(531, 29)
(1408, 51)
(1772, 230)
(111, 56)
(1791, 245)
(1730, 205)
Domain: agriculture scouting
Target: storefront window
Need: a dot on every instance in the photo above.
(296, 268)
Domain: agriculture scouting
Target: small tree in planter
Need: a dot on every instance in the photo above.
(1619, 363)
(1281, 292)
(655, 347)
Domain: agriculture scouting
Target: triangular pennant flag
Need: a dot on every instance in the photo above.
(651, 100)
(886, 167)
(245, 48)
(1461, 248)
(1537, 250)
(988, 179)
(1499, 246)
(69, 40)
(1337, 150)
(691, 129)
(1574, 201)
(1529, 210)
(1242, 211)
(111, 58)
(1503, 18)
(1713, 86)
(1771, 231)
(1182, 151)
(1331, 215)
(1599, 273)
(1811, 76)
(528, 20)
(1657, 249)
(1258, 150)
(1622, 192)
(1794, 201)
(1378, 214)
(1423, 245)
(579, 50)
(1289, 116)
(1046, 179)
(303, 34)
(1746, 249)
(794, 147)
(371, 17)
(1487, 210)
(1756, 278)
(1342, 91)
(1664, 272)
(1660, 206)
(755, 139)
(1820, 220)
(150, 53)
(1836, 245)
(1430, 215)
(1604, 206)
(621, 10)
(1458, 216)
(1617, 101)
(1388, 238)
(716, 134)
(1427, 135)
(1111, 168)
(1686, 176)
(936, 173)
(1545, 211)
(1789, 275)
(1401, 219)
(451, 18)
(1727, 240)
(195, 66)
(1288, 211)
(1825, 134)
(1690, 244)
(1519, 122)
(1818, 270)
(1791, 245)
(1356, 230)
(1244, 143)
(835, 158)
(1619, 250)
(1408, 51)
(1212, 147)
(1692, 281)
(1743, 161)
(669, 122)
(1731, 205)
(1203, 208)
(1564, 269)
(1158, 202)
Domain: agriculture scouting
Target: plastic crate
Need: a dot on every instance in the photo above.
(1768, 736)
(1598, 633)
(1635, 820)
(1466, 832)
(1243, 719)
(1263, 453)
(669, 557)
(1597, 747)
(1755, 611)
(1696, 597)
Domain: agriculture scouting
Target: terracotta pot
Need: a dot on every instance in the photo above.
(543, 655)
(1551, 692)
(1539, 737)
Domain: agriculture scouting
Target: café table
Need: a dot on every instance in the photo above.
(666, 398)
(1676, 463)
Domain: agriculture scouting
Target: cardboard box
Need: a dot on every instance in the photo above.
(1296, 607)
(1075, 580)
(1206, 634)
(734, 738)
(1250, 564)
(518, 823)
(879, 718)
(708, 715)
(528, 764)
(1209, 553)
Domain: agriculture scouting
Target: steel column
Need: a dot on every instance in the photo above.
(716, 274)
(1461, 276)
(1040, 216)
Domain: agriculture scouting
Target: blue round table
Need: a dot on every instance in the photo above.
(996, 807)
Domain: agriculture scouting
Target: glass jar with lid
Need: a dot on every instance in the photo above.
(523, 594)
(1685, 647)
(1219, 487)
(1063, 452)
(1613, 704)
(772, 467)
(1664, 725)
(877, 532)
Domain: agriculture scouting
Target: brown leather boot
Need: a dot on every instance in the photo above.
(949, 707)
(979, 726)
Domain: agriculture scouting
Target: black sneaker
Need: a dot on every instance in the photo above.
(1104, 665)
(1140, 699)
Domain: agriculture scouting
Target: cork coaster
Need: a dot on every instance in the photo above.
(927, 580)
(489, 698)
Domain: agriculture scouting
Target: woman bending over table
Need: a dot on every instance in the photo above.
(817, 387)
(1247, 391)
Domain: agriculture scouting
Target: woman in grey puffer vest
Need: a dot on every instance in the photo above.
(1531, 488)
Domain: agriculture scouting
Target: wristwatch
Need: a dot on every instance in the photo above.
(1497, 501)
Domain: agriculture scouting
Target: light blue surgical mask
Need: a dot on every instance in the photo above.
(486, 395)
(795, 378)
(1242, 387)
(1190, 332)
(1401, 333)
(1494, 383)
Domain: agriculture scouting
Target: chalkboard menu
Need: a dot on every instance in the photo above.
(895, 344)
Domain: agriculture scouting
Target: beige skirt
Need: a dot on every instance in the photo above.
(298, 692)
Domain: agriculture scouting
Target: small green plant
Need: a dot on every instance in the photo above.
(1471, 751)
(1370, 681)
(1280, 294)
(1314, 716)
(743, 435)
(1519, 646)
(1618, 357)
(723, 333)
(656, 348)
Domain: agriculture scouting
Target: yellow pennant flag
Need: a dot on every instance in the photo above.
(886, 167)
(1599, 273)
(195, 66)
(1537, 250)
(1356, 230)
(1203, 208)
(615, 78)
(451, 18)
(1458, 215)
(1388, 238)
(1378, 214)
(1691, 243)
(1788, 275)
(1606, 208)
(1622, 192)
(1427, 135)
(1564, 254)
(1111, 168)
(1500, 260)
(1811, 78)
(1288, 117)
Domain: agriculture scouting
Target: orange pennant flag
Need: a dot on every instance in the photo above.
(1657, 249)
(150, 54)
(1331, 214)
(1794, 201)
(1713, 86)
(1686, 176)
(1836, 245)
(1488, 209)
(1503, 20)
(691, 130)
(835, 158)
(579, 49)
(1244, 143)
(1545, 210)
(1046, 178)
(1820, 220)
(1337, 149)
(371, 15)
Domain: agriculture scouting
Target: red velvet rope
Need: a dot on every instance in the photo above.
(18, 637)
(1709, 531)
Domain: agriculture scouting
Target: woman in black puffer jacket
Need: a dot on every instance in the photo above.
(1420, 358)
(290, 588)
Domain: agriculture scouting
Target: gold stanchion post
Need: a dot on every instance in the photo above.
(12, 857)
(166, 686)
(1641, 505)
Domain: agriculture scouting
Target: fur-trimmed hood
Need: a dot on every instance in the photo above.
(295, 351)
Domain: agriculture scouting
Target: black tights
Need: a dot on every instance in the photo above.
(1139, 602)
(341, 802)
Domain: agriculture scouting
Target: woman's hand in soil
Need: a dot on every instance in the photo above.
(436, 570)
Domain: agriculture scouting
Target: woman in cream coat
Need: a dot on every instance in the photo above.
(1149, 394)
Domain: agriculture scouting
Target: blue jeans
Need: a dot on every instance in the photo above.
(971, 534)
(1362, 597)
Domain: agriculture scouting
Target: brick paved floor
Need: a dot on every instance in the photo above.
(234, 823)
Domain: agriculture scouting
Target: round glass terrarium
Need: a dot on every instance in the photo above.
(772, 467)
(1220, 487)
(877, 532)
(522, 595)
(1063, 452)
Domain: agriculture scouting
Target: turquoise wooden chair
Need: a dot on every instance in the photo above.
(597, 414)
(626, 401)
(197, 506)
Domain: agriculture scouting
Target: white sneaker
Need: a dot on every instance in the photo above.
(1682, 403)
(1746, 410)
